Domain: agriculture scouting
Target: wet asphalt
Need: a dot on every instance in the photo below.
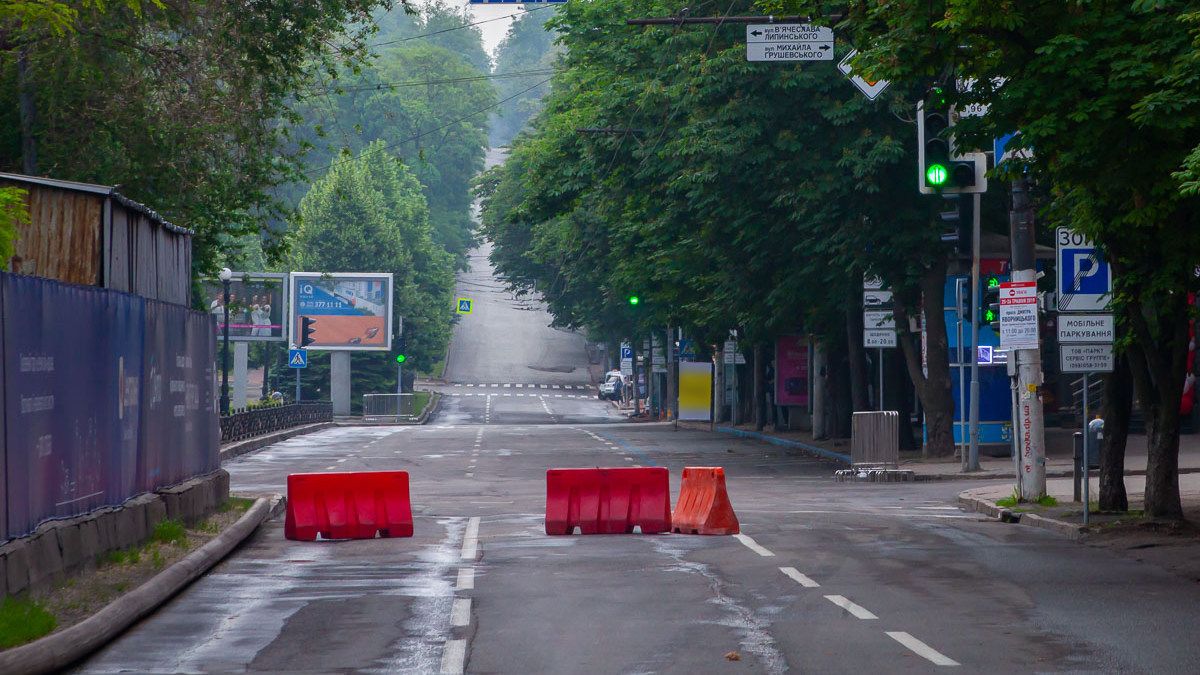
(827, 578)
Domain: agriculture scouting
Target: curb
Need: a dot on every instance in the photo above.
(56, 651)
(435, 399)
(989, 508)
(788, 443)
(259, 442)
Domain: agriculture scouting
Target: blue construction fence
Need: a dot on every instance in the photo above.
(104, 395)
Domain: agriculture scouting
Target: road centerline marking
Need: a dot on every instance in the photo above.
(857, 610)
(921, 649)
(460, 612)
(470, 544)
(753, 545)
(466, 579)
(798, 577)
(453, 656)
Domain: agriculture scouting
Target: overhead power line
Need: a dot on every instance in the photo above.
(380, 86)
(465, 25)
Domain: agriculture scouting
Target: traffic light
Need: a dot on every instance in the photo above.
(940, 169)
(401, 349)
(968, 313)
(990, 307)
(956, 215)
(634, 300)
(306, 331)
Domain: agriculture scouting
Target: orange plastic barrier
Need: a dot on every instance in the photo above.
(608, 501)
(352, 505)
(703, 506)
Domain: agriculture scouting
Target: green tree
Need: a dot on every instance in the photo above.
(732, 195)
(367, 214)
(524, 57)
(183, 105)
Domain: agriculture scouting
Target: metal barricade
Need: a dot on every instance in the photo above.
(388, 408)
(875, 440)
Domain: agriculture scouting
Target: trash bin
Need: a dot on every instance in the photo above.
(1093, 450)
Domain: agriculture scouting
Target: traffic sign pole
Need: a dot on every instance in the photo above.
(1031, 477)
(971, 462)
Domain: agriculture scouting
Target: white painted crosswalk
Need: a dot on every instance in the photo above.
(508, 394)
(519, 385)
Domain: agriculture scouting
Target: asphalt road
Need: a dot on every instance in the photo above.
(827, 577)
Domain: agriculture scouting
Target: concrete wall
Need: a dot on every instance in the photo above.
(60, 548)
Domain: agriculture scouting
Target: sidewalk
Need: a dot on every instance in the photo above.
(1058, 449)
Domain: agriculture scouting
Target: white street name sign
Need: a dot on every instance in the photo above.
(788, 42)
(1018, 315)
(1085, 358)
(1085, 328)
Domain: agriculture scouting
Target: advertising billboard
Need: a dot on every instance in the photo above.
(695, 391)
(256, 306)
(791, 371)
(350, 311)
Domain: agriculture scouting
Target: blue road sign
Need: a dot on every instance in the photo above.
(626, 352)
(464, 305)
(1084, 276)
(297, 358)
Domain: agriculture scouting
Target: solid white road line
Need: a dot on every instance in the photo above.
(801, 579)
(466, 579)
(921, 649)
(453, 656)
(753, 546)
(471, 539)
(857, 610)
(460, 613)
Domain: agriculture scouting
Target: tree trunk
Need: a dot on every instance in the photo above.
(933, 388)
(1158, 365)
(1118, 403)
(897, 397)
(760, 391)
(857, 359)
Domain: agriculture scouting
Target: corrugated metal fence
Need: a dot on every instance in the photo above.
(105, 395)
(875, 439)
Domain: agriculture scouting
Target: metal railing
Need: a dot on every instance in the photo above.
(388, 407)
(875, 439)
(259, 421)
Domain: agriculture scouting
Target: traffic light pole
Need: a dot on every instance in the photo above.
(1031, 478)
(971, 460)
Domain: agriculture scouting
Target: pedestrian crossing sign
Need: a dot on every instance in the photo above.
(297, 358)
(464, 305)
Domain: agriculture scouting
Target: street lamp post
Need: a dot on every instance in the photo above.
(225, 275)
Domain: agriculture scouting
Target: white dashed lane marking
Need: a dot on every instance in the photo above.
(858, 611)
(453, 656)
(470, 546)
(466, 579)
(753, 545)
(799, 578)
(921, 649)
(460, 613)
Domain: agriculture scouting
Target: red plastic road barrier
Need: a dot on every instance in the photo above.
(608, 501)
(348, 505)
(703, 506)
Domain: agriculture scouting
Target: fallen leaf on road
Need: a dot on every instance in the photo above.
(733, 656)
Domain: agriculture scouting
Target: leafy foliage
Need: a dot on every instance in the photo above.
(523, 58)
(368, 215)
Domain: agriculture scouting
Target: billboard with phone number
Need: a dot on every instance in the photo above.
(350, 311)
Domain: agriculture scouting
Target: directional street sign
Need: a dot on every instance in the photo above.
(1085, 358)
(1084, 277)
(297, 358)
(788, 42)
(1018, 315)
(870, 88)
(464, 305)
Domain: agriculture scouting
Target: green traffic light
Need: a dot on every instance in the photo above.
(401, 358)
(634, 300)
(993, 282)
(936, 174)
(989, 315)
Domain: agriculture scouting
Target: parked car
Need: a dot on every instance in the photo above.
(608, 388)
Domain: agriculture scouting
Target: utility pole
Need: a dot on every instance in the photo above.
(1031, 479)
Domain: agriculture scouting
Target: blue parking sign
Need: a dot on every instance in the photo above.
(1084, 276)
